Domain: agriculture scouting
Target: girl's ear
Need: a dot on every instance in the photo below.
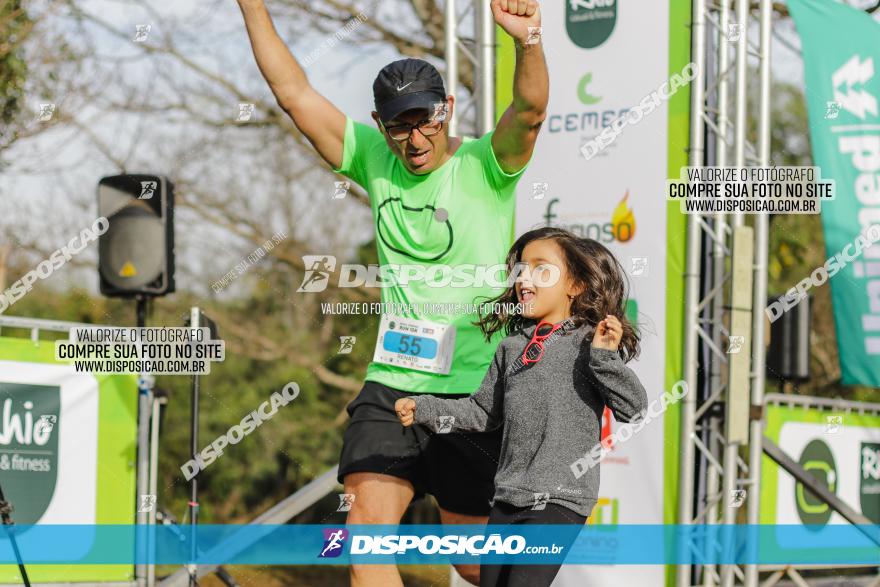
(574, 289)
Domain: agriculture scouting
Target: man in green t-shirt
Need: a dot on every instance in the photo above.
(443, 211)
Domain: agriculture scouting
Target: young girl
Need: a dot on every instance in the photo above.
(560, 364)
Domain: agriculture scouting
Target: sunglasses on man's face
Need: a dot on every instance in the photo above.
(401, 132)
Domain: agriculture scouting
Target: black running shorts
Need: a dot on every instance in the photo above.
(458, 469)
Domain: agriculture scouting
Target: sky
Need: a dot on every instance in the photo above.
(216, 30)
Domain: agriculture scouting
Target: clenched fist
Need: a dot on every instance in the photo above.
(608, 334)
(516, 17)
(406, 410)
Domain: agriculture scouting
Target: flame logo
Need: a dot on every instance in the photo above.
(623, 222)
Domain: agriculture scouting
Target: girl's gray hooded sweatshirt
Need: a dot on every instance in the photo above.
(551, 412)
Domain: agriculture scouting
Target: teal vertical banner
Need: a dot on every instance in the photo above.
(841, 51)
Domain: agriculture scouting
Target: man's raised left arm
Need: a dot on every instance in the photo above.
(517, 130)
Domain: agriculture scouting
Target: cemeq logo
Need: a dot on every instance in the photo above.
(589, 23)
(818, 460)
(29, 424)
(334, 542)
(869, 480)
(583, 95)
(620, 228)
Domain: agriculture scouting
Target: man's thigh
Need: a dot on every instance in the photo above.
(379, 499)
(376, 442)
(458, 469)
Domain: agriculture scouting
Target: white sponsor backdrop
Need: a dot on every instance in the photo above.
(582, 196)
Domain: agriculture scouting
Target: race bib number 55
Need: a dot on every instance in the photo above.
(415, 344)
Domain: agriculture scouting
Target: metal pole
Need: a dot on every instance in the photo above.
(9, 528)
(713, 478)
(692, 287)
(145, 401)
(154, 472)
(486, 69)
(280, 513)
(739, 130)
(451, 56)
(731, 447)
(762, 244)
(729, 513)
(194, 445)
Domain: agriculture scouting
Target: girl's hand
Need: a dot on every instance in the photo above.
(406, 410)
(608, 334)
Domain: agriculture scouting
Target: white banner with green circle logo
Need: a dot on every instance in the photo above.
(840, 449)
(67, 451)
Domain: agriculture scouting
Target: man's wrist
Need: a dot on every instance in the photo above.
(532, 39)
(524, 51)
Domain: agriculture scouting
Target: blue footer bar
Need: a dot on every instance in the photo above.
(435, 544)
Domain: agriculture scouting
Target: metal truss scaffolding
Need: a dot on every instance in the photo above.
(478, 51)
(725, 287)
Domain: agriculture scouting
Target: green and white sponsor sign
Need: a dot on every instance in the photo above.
(605, 57)
(29, 446)
(841, 450)
(841, 49)
(589, 23)
(67, 451)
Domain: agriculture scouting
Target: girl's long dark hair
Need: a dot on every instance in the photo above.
(591, 267)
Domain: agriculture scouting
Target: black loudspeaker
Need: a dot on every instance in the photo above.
(788, 357)
(136, 253)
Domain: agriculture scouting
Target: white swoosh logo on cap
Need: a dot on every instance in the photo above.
(401, 88)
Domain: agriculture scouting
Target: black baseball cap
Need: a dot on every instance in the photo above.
(406, 85)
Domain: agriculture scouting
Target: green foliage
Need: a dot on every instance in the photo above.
(14, 27)
(797, 247)
(300, 442)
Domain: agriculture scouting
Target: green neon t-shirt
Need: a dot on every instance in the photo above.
(460, 213)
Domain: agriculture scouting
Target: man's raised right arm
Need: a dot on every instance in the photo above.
(322, 123)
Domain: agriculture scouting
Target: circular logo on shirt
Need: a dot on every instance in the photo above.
(419, 233)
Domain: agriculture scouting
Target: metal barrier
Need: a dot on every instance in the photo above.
(280, 513)
(789, 465)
